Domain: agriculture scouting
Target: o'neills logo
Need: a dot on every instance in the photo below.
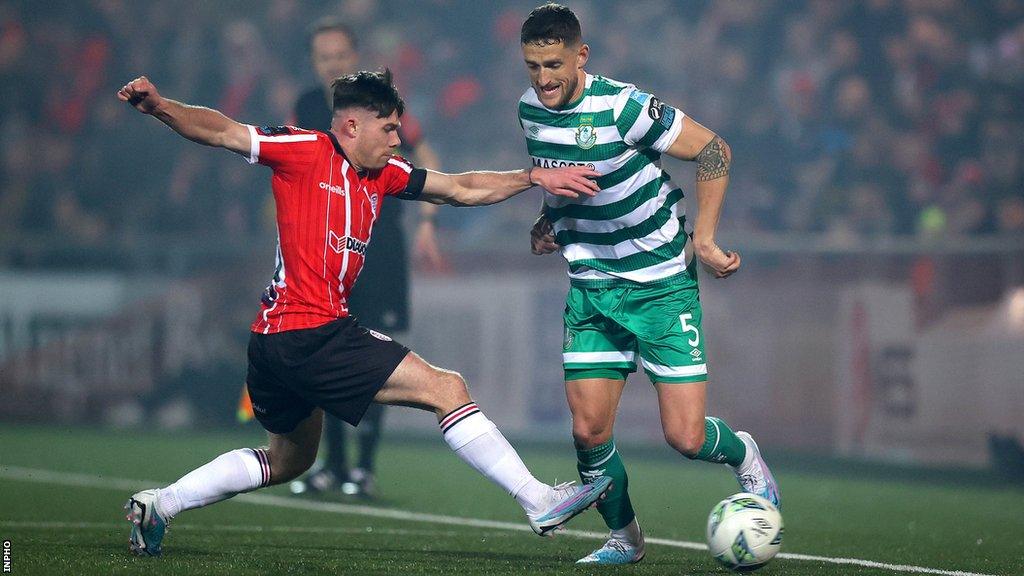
(342, 243)
(334, 189)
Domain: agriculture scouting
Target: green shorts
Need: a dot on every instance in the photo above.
(607, 328)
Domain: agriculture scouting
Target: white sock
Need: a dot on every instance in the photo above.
(630, 533)
(748, 459)
(480, 444)
(237, 471)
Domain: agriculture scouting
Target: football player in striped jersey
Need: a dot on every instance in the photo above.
(633, 296)
(307, 354)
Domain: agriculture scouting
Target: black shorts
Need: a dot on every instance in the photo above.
(339, 367)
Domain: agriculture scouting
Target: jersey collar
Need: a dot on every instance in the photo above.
(339, 150)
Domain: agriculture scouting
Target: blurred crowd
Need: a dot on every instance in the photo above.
(847, 119)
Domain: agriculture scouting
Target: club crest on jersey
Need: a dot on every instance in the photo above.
(373, 203)
(586, 134)
(342, 243)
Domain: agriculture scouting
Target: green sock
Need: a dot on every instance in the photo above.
(721, 444)
(604, 460)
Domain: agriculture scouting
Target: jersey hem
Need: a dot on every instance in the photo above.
(676, 278)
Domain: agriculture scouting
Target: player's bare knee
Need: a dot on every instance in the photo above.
(590, 435)
(685, 442)
(450, 389)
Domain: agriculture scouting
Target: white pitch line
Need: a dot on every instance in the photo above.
(54, 525)
(93, 481)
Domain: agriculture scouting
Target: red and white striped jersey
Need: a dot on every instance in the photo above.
(325, 215)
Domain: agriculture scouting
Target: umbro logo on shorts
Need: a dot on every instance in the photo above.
(380, 336)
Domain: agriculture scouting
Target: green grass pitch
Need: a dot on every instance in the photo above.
(69, 521)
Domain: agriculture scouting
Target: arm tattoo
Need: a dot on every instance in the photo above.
(713, 161)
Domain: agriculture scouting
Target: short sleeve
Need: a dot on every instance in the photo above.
(399, 178)
(284, 148)
(646, 121)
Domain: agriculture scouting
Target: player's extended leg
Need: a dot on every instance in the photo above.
(593, 403)
(478, 442)
(243, 470)
(708, 438)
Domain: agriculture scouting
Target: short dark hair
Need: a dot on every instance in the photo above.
(371, 90)
(550, 24)
(332, 24)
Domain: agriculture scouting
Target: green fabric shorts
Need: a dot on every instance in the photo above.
(607, 328)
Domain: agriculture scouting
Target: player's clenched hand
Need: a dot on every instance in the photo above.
(570, 181)
(542, 237)
(718, 262)
(140, 93)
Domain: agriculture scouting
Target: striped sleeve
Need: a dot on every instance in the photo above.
(286, 149)
(399, 178)
(645, 121)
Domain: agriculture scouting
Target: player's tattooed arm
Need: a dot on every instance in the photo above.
(698, 144)
(713, 160)
(713, 157)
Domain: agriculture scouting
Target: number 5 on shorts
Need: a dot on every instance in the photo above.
(688, 328)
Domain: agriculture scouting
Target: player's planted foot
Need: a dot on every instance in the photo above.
(614, 552)
(148, 524)
(625, 546)
(565, 501)
(753, 474)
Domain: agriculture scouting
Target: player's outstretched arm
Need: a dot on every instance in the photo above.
(482, 188)
(196, 123)
(713, 157)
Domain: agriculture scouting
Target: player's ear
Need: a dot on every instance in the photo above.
(346, 124)
(582, 56)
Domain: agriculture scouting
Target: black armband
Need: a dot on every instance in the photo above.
(414, 187)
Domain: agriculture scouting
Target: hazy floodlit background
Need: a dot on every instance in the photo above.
(873, 341)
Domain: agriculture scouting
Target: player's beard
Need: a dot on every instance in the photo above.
(570, 89)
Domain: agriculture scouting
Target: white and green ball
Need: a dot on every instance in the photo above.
(744, 532)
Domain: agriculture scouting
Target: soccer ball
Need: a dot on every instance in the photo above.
(744, 532)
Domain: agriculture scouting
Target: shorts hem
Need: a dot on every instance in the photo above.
(605, 372)
(678, 379)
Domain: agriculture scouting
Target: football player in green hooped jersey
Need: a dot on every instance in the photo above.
(633, 296)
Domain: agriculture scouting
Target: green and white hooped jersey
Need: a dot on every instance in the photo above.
(633, 230)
